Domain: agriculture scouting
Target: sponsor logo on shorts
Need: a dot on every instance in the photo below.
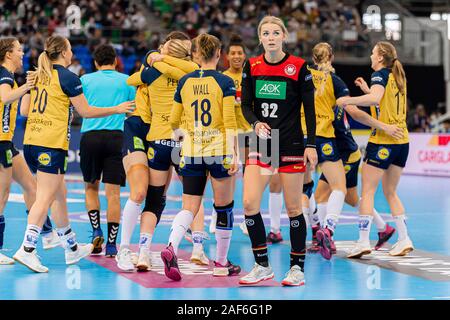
(182, 163)
(226, 162)
(9, 156)
(291, 159)
(290, 70)
(298, 167)
(347, 168)
(271, 89)
(383, 153)
(150, 153)
(138, 143)
(327, 149)
(45, 158)
(66, 160)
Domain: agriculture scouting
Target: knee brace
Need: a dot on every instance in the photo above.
(155, 201)
(225, 216)
(308, 188)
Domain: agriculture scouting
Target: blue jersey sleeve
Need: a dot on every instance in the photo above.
(379, 77)
(146, 56)
(149, 74)
(6, 77)
(227, 85)
(340, 88)
(177, 96)
(70, 83)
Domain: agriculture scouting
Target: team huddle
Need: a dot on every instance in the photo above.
(276, 115)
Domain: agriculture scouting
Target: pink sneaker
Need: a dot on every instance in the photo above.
(384, 236)
(233, 269)
(170, 263)
(274, 237)
(315, 244)
(324, 238)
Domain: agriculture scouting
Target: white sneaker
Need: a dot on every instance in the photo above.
(360, 249)
(51, 240)
(5, 260)
(144, 261)
(294, 277)
(83, 250)
(199, 257)
(212, 223)
(243, 227)
(124, 259)
(402, 247)
(30, 260)
(258, 274)
(134, 258)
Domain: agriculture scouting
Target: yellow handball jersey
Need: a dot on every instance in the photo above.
(328, 88)
(241, 123)
(8, 111)
(207, 99)
(50, 113)
(142, 99)
(391, 110)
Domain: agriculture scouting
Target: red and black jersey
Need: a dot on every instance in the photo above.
(274, 92)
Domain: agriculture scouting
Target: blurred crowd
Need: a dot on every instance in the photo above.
(418, 120)
(308, 21)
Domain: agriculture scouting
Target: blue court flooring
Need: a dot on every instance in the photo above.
(424, 274)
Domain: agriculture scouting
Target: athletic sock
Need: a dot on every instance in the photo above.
(131, 212)
(322, 212)
(47, 228)
(224, 229)
(180, 224)
(197, 240)
(306, 212)
(312, 203)
(298, 240)
(94, 218)
(314, 217)
(31, 237)
(379, 222)
(400, 222)
(2, 229)
(113, 230)
(334, 209)
(145, 242)
(257, 234)
(365, 223)
(68, 239)
(275, 207)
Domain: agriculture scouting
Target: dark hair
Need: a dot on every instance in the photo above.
(235, 40)
(6, 45)
(176, 35)
(105, 55)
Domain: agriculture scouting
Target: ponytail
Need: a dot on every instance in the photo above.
(390, 60)
(322, 56)
(399, 76)
(54, 45)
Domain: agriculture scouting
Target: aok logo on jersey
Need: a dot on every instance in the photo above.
(270, 89)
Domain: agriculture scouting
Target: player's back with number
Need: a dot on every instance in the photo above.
(50, 110)
(205, 95)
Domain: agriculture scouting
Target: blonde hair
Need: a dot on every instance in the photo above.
(322, 56)
(390, 60)
(6, 45)
(54, 45)
(207, 45)
(274, 20)
(178, 49)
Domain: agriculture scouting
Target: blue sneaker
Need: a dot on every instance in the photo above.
(111, 250)
(97, 240)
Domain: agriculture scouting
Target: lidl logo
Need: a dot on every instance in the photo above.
(439, 140)
(45, 158)
(383, 153)
(347, 168)
(270, 89)
(9, 156)
(150, 153)
(327, 149)
(182, 163)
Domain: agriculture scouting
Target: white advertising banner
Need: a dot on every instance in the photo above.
(429, 154)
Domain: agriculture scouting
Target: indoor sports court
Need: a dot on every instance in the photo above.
(423, 274)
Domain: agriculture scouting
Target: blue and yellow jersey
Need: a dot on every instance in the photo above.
(329, 87)
(391, 110)
(8, 112)
(207, 99)
(241, 123)
(346, 144)
(51, 112)
(162, 81)
(142, 98)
